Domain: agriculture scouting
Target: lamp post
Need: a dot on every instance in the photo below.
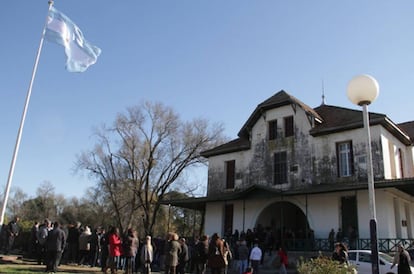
(362, 91)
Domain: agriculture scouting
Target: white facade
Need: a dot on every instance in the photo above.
(314, 191)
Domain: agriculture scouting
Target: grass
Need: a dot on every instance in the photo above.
(22, 266)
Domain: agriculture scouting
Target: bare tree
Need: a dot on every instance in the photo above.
(138, 159)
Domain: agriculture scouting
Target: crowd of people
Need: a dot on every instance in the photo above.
(53, 244)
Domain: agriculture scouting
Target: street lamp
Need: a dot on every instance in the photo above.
(362, 91)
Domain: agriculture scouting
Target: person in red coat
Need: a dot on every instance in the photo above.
(115, 245)
(283, 260)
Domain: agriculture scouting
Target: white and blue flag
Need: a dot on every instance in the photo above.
(79, 52)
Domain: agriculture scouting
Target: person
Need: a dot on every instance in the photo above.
(131, 244)
(339, 235)
(243, 251)
(255, 256)
(95, 247)
(228, 256)
(340, 254)
(12, 233)
(115, 245)
(402, 258)
(183, 257)
(33, 243)
(104, 243)
(284, 261)
(200, 255)
(84, 245)
(147, 255)
(215, 260)
(73, 243)
(331, 239)
(55, 245)
(172, 250)
(41, 239)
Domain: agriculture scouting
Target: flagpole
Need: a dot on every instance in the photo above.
(19, 134)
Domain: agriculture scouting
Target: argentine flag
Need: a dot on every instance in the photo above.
(79, 52)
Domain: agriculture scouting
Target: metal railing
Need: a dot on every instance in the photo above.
(384, 245)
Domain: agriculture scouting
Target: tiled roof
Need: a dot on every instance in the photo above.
(337, 119)
(238, 144)
(408, 127)
(328, 120)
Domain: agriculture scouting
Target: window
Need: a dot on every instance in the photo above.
(288, 126)
(272, 127)
(280, 168)
(230, 173)
(344, 159)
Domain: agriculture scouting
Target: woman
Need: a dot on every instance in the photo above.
(84, 245)
(147, 255)
(283, 260)
(131, 247)
(172, 249)
(340, 254)
(115, 245)
(216, 253)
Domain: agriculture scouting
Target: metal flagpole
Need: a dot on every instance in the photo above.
(19, 134)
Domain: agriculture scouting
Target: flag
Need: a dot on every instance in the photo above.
(79, 52)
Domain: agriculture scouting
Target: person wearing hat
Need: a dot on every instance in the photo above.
(402, 259)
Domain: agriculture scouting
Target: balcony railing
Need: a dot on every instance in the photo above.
(384, 245)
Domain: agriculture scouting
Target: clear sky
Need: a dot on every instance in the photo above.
(215, 59)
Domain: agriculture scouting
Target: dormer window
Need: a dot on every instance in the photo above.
(272, 127)
(288, 126)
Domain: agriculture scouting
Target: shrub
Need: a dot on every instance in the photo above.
(323, 265)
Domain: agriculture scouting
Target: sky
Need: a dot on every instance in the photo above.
(215, 59)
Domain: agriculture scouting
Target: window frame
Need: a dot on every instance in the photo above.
(288, 122)
(345, 159)
(272, 129)
(280, 168)
(230, 174)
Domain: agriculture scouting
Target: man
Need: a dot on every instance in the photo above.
(183, 257)
(402, 258)
(73, 243)
(200, 255)
(255, 257)
(12, 233)
(55, 245)
(41, 239)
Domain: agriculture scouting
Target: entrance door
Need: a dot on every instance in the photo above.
(350, 220)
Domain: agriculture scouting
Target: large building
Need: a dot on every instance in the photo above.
(304, 170)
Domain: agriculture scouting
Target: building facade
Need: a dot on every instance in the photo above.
(301, 171)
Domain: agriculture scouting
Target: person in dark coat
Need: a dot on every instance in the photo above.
(340, 254)
(402, 258)
(55, 245)
(12, 232)
(200, 255)
(172, 251)
(183, 257)
(131, 244)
